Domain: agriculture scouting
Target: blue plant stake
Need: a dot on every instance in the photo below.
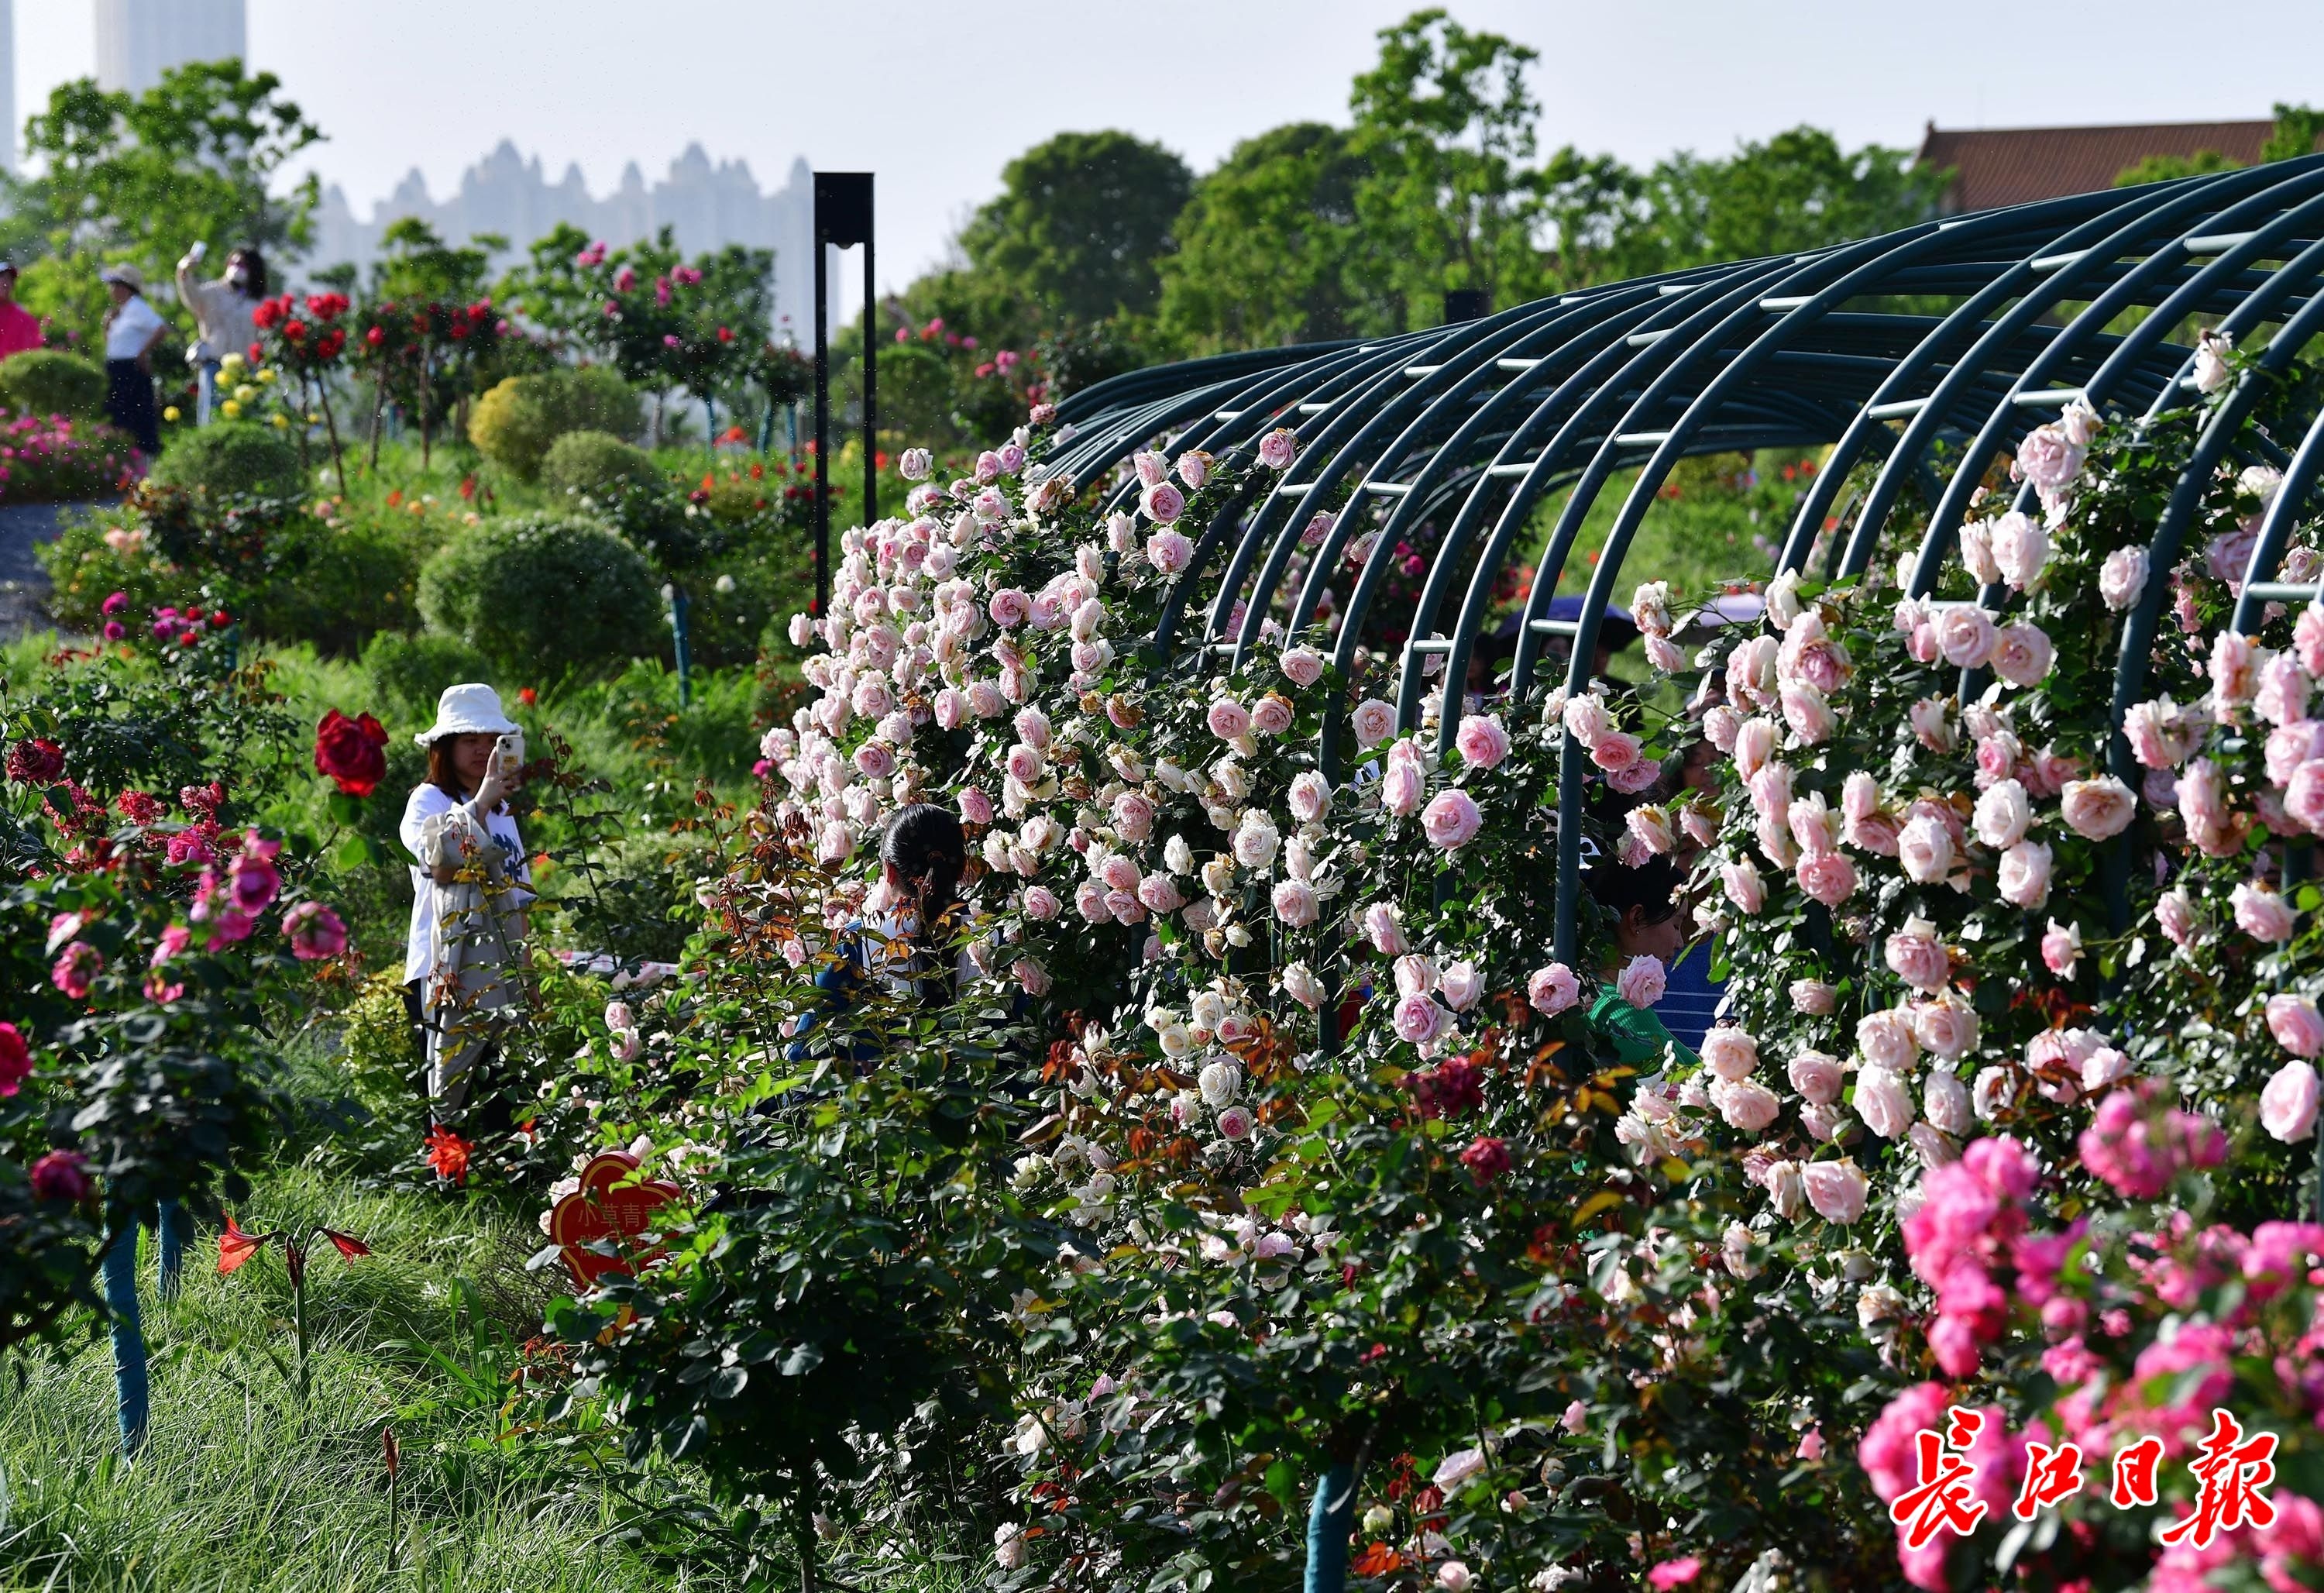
(170, 1262)
(129, 1378)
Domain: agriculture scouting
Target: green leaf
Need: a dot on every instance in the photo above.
(353, 852)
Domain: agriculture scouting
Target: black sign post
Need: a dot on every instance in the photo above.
(843, 220)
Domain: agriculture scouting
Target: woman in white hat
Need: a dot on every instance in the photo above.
(468, 887)
(132, 327)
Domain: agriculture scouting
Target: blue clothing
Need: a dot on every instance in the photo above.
(1692, 997)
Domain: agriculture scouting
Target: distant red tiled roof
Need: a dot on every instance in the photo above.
(2013, 165)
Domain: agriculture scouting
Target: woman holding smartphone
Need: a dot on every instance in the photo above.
(469, 886)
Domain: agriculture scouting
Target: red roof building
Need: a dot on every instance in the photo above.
(2013, 165)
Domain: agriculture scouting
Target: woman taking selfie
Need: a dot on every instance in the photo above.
(468, 889)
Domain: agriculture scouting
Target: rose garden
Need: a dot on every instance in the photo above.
(1240, 1150)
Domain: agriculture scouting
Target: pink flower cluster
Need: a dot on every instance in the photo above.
(1970, 1219)
(2139, 1140)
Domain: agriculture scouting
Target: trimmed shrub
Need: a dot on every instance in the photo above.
(51, 382)
(541, 596)
(515, 425)
(411, 672)
(594, 463)
(229, 457)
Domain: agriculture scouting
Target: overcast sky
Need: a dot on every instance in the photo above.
(936, 96)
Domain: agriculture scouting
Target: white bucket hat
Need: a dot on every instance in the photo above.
(471, 710)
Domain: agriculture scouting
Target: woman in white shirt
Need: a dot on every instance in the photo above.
(222, 315)
(468, 892)
(132, 327)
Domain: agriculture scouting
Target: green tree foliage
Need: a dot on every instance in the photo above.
(1076, 235)
(2298, 131)
(139, 177)
(1444, 126)
(1797, 191)
(1263, 245)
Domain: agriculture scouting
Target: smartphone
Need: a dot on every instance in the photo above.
(198, 251)
(508, 755)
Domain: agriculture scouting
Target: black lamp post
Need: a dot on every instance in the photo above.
(843, 220)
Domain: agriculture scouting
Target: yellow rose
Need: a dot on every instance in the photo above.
(244, 393)
(170, 413)
(281, 421)
(231, 408)
(231, 364)
(266, 373)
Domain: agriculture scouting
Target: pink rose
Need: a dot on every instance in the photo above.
(2061, 949)
(2048, 461)
(316, 932)
(1008, 607)
(1302, 666)
(1925, 849)
(1374, 721)
(951, 708)
(1089, 900)
(2287, 1105)
(2291, 744)
(1236, 1122)
(1885, 1038)
(1032, 975)
(2308, 639)
(1615, 752)
(76, 968)
(1966, 635)
(1024, 765)
(1403, 786)
(1450, 820)
(1651, 827)
(2283, 688)
(1163, 503)
(1932, 725)
(1641, 981)
(1883, 1102)
(1418, 1019)
(1729, 1052)
(1946, 1027)
(1040, 903)
(1918, 958)
(1813, 998)
(1159, 893)
(1755, 747)
(1836, 1190)
(2099, 809)
(1168, 551)
(2122, 577)
(1229, 720)
(1586, 718)
(2294, 1021)
(1828, 878)
(2234, 672)
(1133, 816)
(1806, 712)
(1481, 741)
(1278, 447)
(1294, 902)
(1271, 716)
(1461, 983)
(1384, 927)
(1634, 779)
(1310, 796)
(2175, 916)
(2260, 913)
(1553, 989)
(1817, 1077)
(2022, 654)
(1746, 1105)
(1741, 879)
(2304, 798)
(975, 807)
(985, 701)
(2020, 548)
(1721, 725)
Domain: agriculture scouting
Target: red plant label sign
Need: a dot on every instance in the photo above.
(606, 1207)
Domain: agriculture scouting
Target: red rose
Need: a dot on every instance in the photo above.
(36, 761)
(61, 1175)
(376, 337)
(351, 751)
(294, 329)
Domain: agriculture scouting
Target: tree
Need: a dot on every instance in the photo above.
(1444, 127)
(1263, 245)
(1798, 190)
(1077, 233)
(139, 177)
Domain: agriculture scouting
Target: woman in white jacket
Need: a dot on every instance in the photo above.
(468, 889)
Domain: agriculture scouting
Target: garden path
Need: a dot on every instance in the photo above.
(23, 583)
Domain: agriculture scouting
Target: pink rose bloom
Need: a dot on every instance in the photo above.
(2283, 688)
(1402, 784)
(2291, 744)
(1295, 902)
(875, 759)
(2097, 810)
(1278, 447)
(1886, 1038)
(1634, 779)
(985, 700)
(316, 932)
(1450, 820)
(1481, 741)
(1124, 907)
(1008, 607)
(1032, 975)
(1918, 958)
(1310, 796)
(1925, 849)
(975, 807)
(1159, 893)
(1151, 466)
(1615, 752)
(1301, 666)
(2287, 1105)
(1966, 637)
(16, 1057)
(1741, 881)
(1586, 718)
(2022, 654)
(1883, 1102)
(1746, 1104)
(59, 1175)
(1651, 827)
(252, 881)
(1641, 981)
(2061, 949)
(1828, 878)
(2260, 913)
(1228, 719)
(951, 708)
(1118, 873)
(2234, 672)
(76, 969)
(2048, 461)
(1163, 503)
(1813, 998)
(2294, 1021)
(835, 843)
(1271, 716)
(1835, 1189)
(1040, 903)
(1418, 1019)
(1806, 712)
(1236, 1122)
(1553, 989)
(1374, 721)
(1932, 725)
(1384, 927)
(1089, 900)
(1133, 816)
(1816, 1076)
(1024, 765)
(1193, 468)
(2308, 639)
(1946, 1027)
(2020, 548)
(2122, 577)
(1169, 551)
(2304, 798)
(1461, 983)
(1032, 727)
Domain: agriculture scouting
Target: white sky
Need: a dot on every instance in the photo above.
(936, 96)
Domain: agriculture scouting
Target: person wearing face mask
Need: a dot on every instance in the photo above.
(222, 312)
(20, 329)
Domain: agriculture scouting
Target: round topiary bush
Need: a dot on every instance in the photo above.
(594, 463)
(51, 382)
(541, 596)
(515, 425)
(228, 458)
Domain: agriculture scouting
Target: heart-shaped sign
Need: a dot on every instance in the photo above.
(612, 1202)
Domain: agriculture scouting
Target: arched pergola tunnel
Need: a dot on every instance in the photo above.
(1470, 429)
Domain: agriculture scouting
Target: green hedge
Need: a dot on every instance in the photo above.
(51, 382)
(229, 457)
(516, 423)
(541, 596)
